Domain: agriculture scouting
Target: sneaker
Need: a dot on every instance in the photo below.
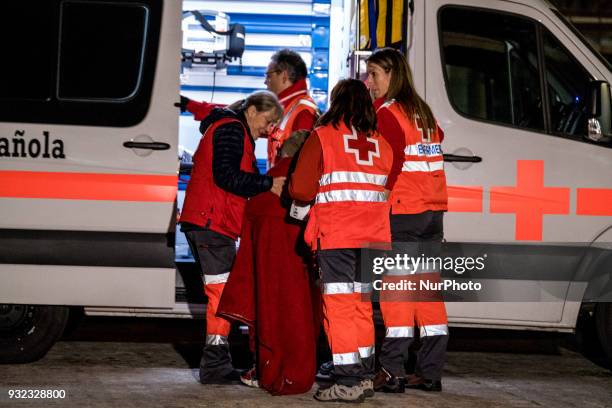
(340, 393)
(384, 381)
(250, 378)
(367, 386)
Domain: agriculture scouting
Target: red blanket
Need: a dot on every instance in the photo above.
(270, 290)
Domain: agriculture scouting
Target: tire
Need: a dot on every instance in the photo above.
(28, 332)
(603, 322)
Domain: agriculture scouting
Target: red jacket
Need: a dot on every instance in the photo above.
(299, 113)
(351, 190)
(421, 184)
(201, 109)
(206, 204)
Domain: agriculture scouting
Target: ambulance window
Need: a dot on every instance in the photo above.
(28, 47)
(78, 62)
(101, 54)
(567, 83)
(491, 66)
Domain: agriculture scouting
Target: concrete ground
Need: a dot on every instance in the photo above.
(153, 364)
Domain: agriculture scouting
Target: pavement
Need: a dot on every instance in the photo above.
(138, 368)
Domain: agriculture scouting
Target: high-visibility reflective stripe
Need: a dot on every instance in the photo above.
(212, 279)
(365, 352)
(335, 196)
(308, 103)
(400, 331)
(412, 166)
(434, 330)
(386, 104)
(346, 358)
(363, 287)
(424, 149)
(336, 288)
(302, 101)
(352, 177)
(215, 340)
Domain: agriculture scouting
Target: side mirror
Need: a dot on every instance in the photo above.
(600, 112)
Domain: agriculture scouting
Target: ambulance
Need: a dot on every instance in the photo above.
(89, 159)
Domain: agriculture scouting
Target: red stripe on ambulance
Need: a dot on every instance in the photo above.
(465, 199)
(594, 201)
(87, 186)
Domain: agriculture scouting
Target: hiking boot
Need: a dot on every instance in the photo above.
(367, 386)
(385, 382)
(250, 378)
(340, 393)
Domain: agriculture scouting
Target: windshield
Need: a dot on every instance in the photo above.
(582, 39)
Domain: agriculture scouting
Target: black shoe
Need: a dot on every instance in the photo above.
(233, 377)
(415, 382)
(385, 382)
(326, 372)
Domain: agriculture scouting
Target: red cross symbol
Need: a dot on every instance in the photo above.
(419, 125)
(530, 200)
(364, 148)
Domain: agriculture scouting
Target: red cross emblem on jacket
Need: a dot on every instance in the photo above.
(364, 148)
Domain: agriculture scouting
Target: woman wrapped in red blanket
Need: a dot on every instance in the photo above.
(271, 289)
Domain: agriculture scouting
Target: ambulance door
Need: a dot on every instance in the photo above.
(509, 87)
(88, 151)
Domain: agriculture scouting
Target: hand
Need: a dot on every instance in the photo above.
(277, 185)
(387, 193)
(183, 103)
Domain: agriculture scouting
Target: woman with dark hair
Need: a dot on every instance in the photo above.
(223, 177)
(343, 166)
(418, 201)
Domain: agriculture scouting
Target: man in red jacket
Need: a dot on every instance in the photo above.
(286, 77)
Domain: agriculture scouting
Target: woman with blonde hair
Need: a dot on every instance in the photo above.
(418, 201)
(223, 177)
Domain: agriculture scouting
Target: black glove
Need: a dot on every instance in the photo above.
(183, 104)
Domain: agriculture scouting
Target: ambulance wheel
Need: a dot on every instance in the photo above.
(603, 321)
(27, 332)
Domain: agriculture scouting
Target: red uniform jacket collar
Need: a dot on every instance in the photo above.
(296, 90)
(378, 102)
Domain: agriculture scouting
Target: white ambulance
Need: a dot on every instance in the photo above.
(89, 147)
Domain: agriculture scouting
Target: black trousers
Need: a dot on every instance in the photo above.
(418, 234)
(215, 254)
